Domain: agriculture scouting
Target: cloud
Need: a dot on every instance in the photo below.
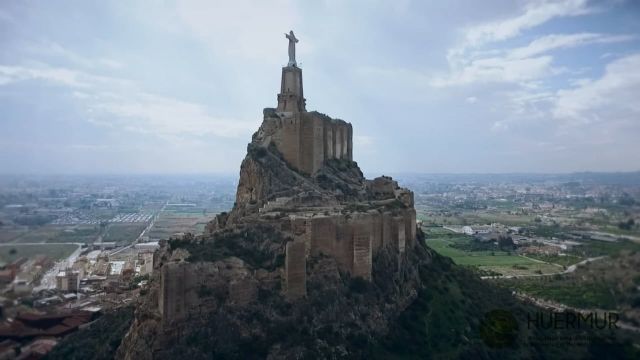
(120, 103)
(478, 59)
(613, 97)
(169, 118)
(497, 69)
(535, 14)
(54, 49)
(242, 29)
(557, 41)
(518, 65)
(11, 74)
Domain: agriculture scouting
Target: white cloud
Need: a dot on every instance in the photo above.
(534, 14)
(119, 103)
(497, 69)
(169, 118)
(523, 64)
(556, 41)
(243, 29)
(475, 59)
(50, 48)
(613, 97)
(67, 77)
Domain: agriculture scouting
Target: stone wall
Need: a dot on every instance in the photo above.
(362, 249)
(352, 239)
(174, 289)
(189, 290)
(306, 140)
(295, 270)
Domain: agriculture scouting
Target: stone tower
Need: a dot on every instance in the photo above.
(291, 97)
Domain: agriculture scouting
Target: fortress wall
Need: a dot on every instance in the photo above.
(410, 227)
(338, 142)
(328, 137)
(318, 144)
(306, 145)
(349, 142)
(295, 270)
(387, 229)
(345, 142)
(376, 231)
(362, 248)
(323, 235)
(399, 233)
(344, 245)
(171, 299)
(178, 292)
(289, 140)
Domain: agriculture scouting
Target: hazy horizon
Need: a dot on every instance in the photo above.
(461, 87)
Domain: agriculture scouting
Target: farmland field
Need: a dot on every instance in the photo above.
(10, 252)
(60, 234)
(171, 222)
(494, 262)
(123, 233)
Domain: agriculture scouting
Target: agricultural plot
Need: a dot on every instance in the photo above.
(10, 235)
(11, 252)
(169, 223)
(123, 233)
(497, 262)
(60, 234)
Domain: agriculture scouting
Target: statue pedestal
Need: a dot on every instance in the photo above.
(291, 96)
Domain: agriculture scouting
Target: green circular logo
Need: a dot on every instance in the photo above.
(499, 329)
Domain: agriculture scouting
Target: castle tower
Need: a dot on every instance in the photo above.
(291, 97)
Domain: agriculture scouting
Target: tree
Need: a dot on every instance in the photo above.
(626, 225)
(506, 243)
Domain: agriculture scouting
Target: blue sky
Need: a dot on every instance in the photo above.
(440, 87)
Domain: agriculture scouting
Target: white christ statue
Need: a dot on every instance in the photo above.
(292, 48)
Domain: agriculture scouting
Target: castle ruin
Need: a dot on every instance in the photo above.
(300, 179)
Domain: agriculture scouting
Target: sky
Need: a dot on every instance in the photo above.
(492, 86)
